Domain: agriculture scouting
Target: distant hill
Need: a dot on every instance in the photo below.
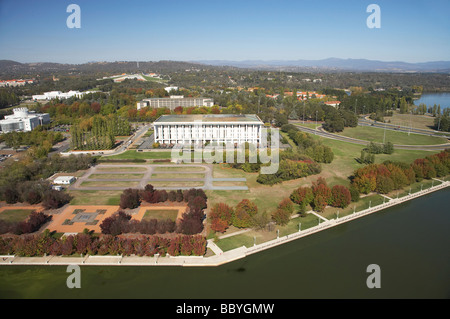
(335, 64)
(10, 68)
(16, 69)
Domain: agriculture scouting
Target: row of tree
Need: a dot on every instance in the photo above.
(35, 192)
(309, 146)
(388, 176)
(84, 243)
(191, 221)
(8, 97)
(98, 132)
(15, 173)
(223, 216)
(319, 195)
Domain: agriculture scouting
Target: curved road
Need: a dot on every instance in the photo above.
(368, 122)
(321, 132)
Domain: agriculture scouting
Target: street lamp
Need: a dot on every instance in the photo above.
(316, 122)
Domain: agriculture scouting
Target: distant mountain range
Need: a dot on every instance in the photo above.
(13, 68)
(335, 64)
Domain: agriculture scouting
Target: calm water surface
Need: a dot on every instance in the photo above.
(409, 242)
(430, 99)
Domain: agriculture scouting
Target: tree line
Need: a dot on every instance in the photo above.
(388, 176)
(98, 132)
(191, 221)
(16, 175)
(33, 245)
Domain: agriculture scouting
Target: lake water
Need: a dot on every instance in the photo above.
(434, 98)
(410, 243)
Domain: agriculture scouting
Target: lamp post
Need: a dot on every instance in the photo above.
(299, 227)
(316, 122)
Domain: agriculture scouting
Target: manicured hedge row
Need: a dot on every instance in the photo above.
(38, 245)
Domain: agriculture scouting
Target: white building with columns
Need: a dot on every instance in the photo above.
(200, 128)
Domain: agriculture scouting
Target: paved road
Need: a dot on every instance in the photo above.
(321, 132)
(368, 122)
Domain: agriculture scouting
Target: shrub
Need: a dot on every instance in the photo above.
(221, 215)
(243, 213)
(340, 196)
(129, 198)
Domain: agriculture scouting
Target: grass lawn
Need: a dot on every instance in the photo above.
(268, 197)
(178, 168)
(109, 184)
(141, 155)
(114, 176)
(15, 215)
(161, 214)
(175, 184)
(424, 122)
(248, 239)
(93, 197)
(312, 125)
(121, 169)
(373, 134)
(174, 175)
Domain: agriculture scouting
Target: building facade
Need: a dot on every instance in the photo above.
(23, 120)
(60, 95)
(200, 128)
(175, 101)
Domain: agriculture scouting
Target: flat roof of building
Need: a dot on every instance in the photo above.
(209, 118)
(63, 178)
(176, 98)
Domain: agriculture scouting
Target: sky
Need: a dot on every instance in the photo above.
(190, 30)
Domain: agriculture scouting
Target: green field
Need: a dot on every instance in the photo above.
(175, 175)
(109, 184)
(161, 214)
(119, 169)
(94, 197)
(141, 155)
(178, 168)
(373, 134)
(116, 176)
(15, 215)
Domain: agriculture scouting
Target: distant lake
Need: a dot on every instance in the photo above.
(434, 98)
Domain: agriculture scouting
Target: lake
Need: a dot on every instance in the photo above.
(410, 242)
(434, 98)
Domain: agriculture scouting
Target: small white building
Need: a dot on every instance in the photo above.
(333, 103)
(170, 88)
(60, 95)
(64, 180)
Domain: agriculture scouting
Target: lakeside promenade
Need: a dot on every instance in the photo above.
(220, 257)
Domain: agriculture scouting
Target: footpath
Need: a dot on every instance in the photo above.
(220, 257)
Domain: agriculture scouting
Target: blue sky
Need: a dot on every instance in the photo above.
(185, 30)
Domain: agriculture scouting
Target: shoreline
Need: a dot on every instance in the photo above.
(219, 258)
